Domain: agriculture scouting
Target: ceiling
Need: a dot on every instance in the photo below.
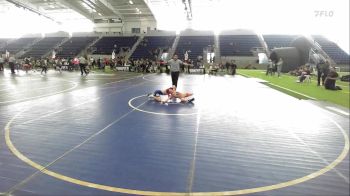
(114, 10)
(61, 10)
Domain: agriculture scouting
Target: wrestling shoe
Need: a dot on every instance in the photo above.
(190, 100)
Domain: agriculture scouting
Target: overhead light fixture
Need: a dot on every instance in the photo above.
(99, 14)
(93, 10)
(137, 9)
(188, 8)
(140, 12)
(131, 2)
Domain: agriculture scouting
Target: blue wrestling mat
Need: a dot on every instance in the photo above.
(101, 135)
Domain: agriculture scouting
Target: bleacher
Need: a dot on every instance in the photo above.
(17, 45)
(74, 46)
(238, 45)
(147, 47)
(332, 49)
(278, 41)
(42, 47)
(106, 45)
(195, 44)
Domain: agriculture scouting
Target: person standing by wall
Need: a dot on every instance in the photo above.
(12, 62)
(174, 64)
(228, 66)
(322, 71)
(44, 65)
(1, 63)
(279, 67)
(269, 69)
(234, 67)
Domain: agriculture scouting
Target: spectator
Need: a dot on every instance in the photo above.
(76, 63)
(1, 63)
(99, 64)
(227, 65)
(44, 65)
(279, 67)
(304, 74)
(234, 67)
(12, 62)
(270, 68)
(59, 65)
(322, 71)
(92, 63)
(330, 80)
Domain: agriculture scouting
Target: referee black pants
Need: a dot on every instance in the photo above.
(83, 68)
(175, 77)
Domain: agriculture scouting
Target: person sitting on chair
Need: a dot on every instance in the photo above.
(305, 73)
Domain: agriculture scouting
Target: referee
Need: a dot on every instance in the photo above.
(174, 64)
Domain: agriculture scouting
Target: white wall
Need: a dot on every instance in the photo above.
(191, 32)
(143, 24)
(84, 34)
(108, 27)
(57, 34)
(32, 35)
(125, 27)
(160, 33)
(238, 32)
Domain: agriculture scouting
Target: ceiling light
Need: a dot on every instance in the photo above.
(93, 10)
(131, 2)
(99, 14)
(140, 12)
(137, 9)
